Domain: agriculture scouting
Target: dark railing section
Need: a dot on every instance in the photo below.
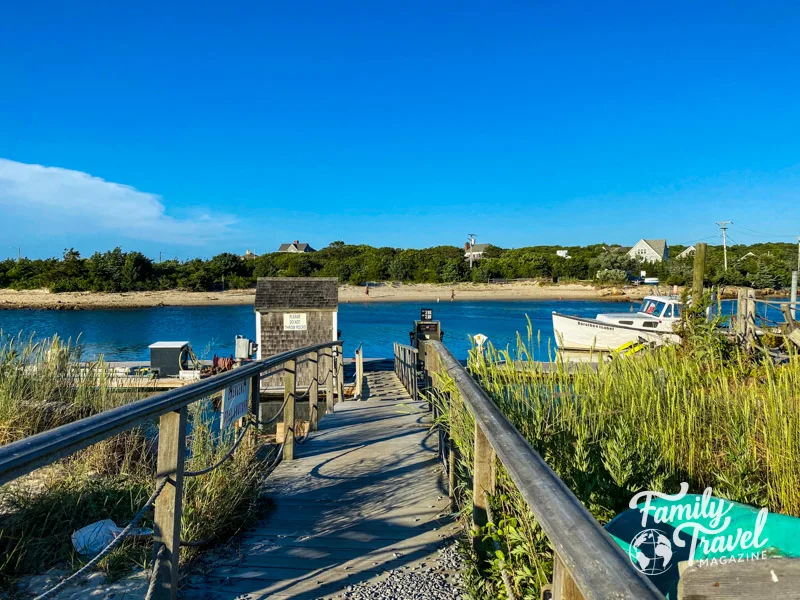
(406, 360)
(588, 563)
(171, 410)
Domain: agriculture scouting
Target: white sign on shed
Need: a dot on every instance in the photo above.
(294, 322)
(235, 402)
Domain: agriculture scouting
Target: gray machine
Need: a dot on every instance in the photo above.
(169, 358)
(425, 329)
(245, 348)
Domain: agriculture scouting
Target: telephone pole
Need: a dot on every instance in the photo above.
(723, 225)
(471, 242)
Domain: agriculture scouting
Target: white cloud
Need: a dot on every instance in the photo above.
(52, 193)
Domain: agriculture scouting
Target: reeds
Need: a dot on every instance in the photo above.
(705, 413)
(44, 385)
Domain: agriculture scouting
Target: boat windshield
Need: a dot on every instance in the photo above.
(652, 307)
(656, 309)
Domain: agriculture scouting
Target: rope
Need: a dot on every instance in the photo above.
(154, 575)
(227, 455)
(112, 544)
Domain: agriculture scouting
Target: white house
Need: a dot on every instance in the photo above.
(686, 253)
(563, 253)
(650, 250)
(477, 251)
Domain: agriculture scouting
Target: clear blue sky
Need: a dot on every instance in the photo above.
(202, 127)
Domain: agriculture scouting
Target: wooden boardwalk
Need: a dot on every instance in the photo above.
(366, 494)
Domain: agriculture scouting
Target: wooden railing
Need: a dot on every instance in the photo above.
(358, 390)
(588, 563)
(171, 409)
(406, 360)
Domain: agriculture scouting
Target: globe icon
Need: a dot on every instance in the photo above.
(651, 552)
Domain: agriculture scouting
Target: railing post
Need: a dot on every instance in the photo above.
(483, 482)
(255, 397)
(313, 394)
(329, 399)
(339, 373)
(171, 459)
(289, 394)
(564, 587)
(451, 457)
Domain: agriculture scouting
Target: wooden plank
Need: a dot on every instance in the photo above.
(289, 394)
(770, 578)
(171, 460)
(364, 495)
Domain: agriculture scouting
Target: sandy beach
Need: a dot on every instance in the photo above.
(43, 299)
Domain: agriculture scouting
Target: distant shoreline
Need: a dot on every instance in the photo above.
(348, 294)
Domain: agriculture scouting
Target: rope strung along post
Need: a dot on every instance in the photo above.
(111, 545)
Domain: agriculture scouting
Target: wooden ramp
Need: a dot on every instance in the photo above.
(366, 494)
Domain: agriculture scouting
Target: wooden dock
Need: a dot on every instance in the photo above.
(365, 494)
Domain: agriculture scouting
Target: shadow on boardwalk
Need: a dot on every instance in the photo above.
(365, 495)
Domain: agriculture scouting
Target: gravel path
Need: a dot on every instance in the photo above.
(441, 581)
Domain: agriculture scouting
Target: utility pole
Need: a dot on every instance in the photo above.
(471, 242)
(159, 256)
(723, 225)
(19, 253)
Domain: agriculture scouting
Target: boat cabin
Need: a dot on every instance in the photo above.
(657, 313)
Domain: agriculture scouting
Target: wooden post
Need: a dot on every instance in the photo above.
(329, 400)
(171, 459)
(313, 393)
(750, 316)
(255, 397)
(483, 482)
(793, 296)
(564, 587)
(741, 312)
(289, 394)
(339, 373)
(451, 457)
(698, 273)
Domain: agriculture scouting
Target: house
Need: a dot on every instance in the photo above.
(476, 251)
(249, 255)
(748, 255)
(295, 246)
(563, 253)
(650, 250)
(686, 253)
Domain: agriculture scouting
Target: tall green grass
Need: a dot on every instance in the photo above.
(42, 385)
(705, 412)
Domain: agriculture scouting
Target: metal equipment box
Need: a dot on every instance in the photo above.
(168, 358)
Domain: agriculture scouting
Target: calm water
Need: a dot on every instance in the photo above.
(126, 334)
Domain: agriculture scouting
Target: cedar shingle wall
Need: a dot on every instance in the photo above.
(295, 293)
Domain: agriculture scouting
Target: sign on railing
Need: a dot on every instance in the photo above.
(235, 401)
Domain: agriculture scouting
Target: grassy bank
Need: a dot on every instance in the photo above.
(705, 413)
(41, 387)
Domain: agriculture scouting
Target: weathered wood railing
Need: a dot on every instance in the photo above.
(171, 409)
(588, 563)
(406, 360)
(358, 389)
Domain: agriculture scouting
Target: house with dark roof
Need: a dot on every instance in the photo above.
(296, 246)
(650, 250)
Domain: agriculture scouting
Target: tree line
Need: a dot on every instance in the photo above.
(766, 265)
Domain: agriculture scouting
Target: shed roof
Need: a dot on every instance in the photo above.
(297, 293)
(479, 248)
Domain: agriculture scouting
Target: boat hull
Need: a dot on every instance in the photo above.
(577, 333)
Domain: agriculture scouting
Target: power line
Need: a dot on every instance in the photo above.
(761, 233)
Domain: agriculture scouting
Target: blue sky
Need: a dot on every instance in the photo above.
(200, 127)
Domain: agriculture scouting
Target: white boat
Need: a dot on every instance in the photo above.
(652, 323)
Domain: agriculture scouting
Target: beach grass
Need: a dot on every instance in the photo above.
(705, 412)
(43, 386)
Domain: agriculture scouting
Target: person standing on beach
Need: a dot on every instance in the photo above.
(452, 295)
(366, 291)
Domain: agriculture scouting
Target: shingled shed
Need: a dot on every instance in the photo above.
(292, 312)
